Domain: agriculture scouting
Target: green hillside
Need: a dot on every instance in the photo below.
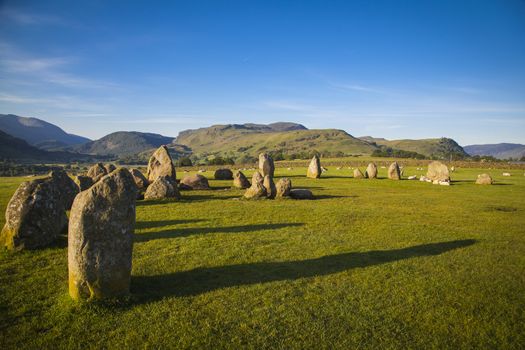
(244, 140)
(435, 148)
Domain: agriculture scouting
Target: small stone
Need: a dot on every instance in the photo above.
(240, 181)
(358, 174)
(96, 172)
(394, 173)
(163, 187)
(314, 169)
(484, 179)
(257, 189)
(371, 171)
(194, 182)
(140, 180)
(283, 187)
(438, 171)
(300, 193)
(223, 174)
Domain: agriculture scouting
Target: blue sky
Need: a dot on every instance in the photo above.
(393, 69)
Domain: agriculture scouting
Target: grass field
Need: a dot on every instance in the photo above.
(369, 264)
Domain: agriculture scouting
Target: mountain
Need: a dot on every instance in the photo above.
(37, 132)
(499, 150)
(123, 143)
(16, 149)
(439, 148)
(236, 140)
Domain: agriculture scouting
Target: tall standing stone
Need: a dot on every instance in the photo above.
(35, 215)
(269, 185)
(160, 164)
(314, 169)
(266, 165)
(100, 241)
(438, 172)
(371, 171)
(240, 181)
(394, 173)
(96, 172)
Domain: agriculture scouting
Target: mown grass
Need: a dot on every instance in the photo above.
(370, 264)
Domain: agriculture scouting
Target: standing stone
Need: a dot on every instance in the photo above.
(68, 187)
(96, 172)
(240, 181)
(100, 241)
(257, 189)
(163, 187)
(160, 164)
(140, 180)
(266, 164)
(35, 215)
(269, 185)
(283, 187)
(484, 179)
(223, 174)
(110, 167)
(83, 182)
(194, 182)
(314, 169)
(394, 173)
(371, 171)
(358, 174)
(438, 171)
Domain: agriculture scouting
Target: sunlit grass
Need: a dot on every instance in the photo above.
(370, 264)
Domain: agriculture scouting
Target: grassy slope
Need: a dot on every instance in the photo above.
(426, 147)
(372, 263)
(229, 140)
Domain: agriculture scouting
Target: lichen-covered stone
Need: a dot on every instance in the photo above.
(100, 241)
(314, 169)
(83, 182)
(35, 215)
(96, 172)
(195, 182)
(140, 180)
(68, 187)
(266, 165)
(283, 187)
(163, 187)
(394, 173)
(223, 174)
(240, 180)
(371, 171)
(110, 167)
(358, 174)
(160, 164)
(257, 189)
(438, 171)
(269, 185)
(484, 179)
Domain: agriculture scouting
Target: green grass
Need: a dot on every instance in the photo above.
(370, 264)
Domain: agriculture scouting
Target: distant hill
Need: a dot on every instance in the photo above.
(37, 132)
(16, 149)
(123, 143)
(236, 140)
(439, 148)
(499, 150)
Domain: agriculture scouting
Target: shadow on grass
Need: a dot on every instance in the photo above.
(152, 224)
(202, 280)
(184, 232)
(330, 196)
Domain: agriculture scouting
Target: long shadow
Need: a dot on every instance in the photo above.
(152, 224)
(330, 196)
(202, 280)
(184, 232)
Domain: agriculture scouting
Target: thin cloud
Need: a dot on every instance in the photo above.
(27, 18)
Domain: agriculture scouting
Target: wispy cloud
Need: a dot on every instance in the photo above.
(354, 87)
(28, 18)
